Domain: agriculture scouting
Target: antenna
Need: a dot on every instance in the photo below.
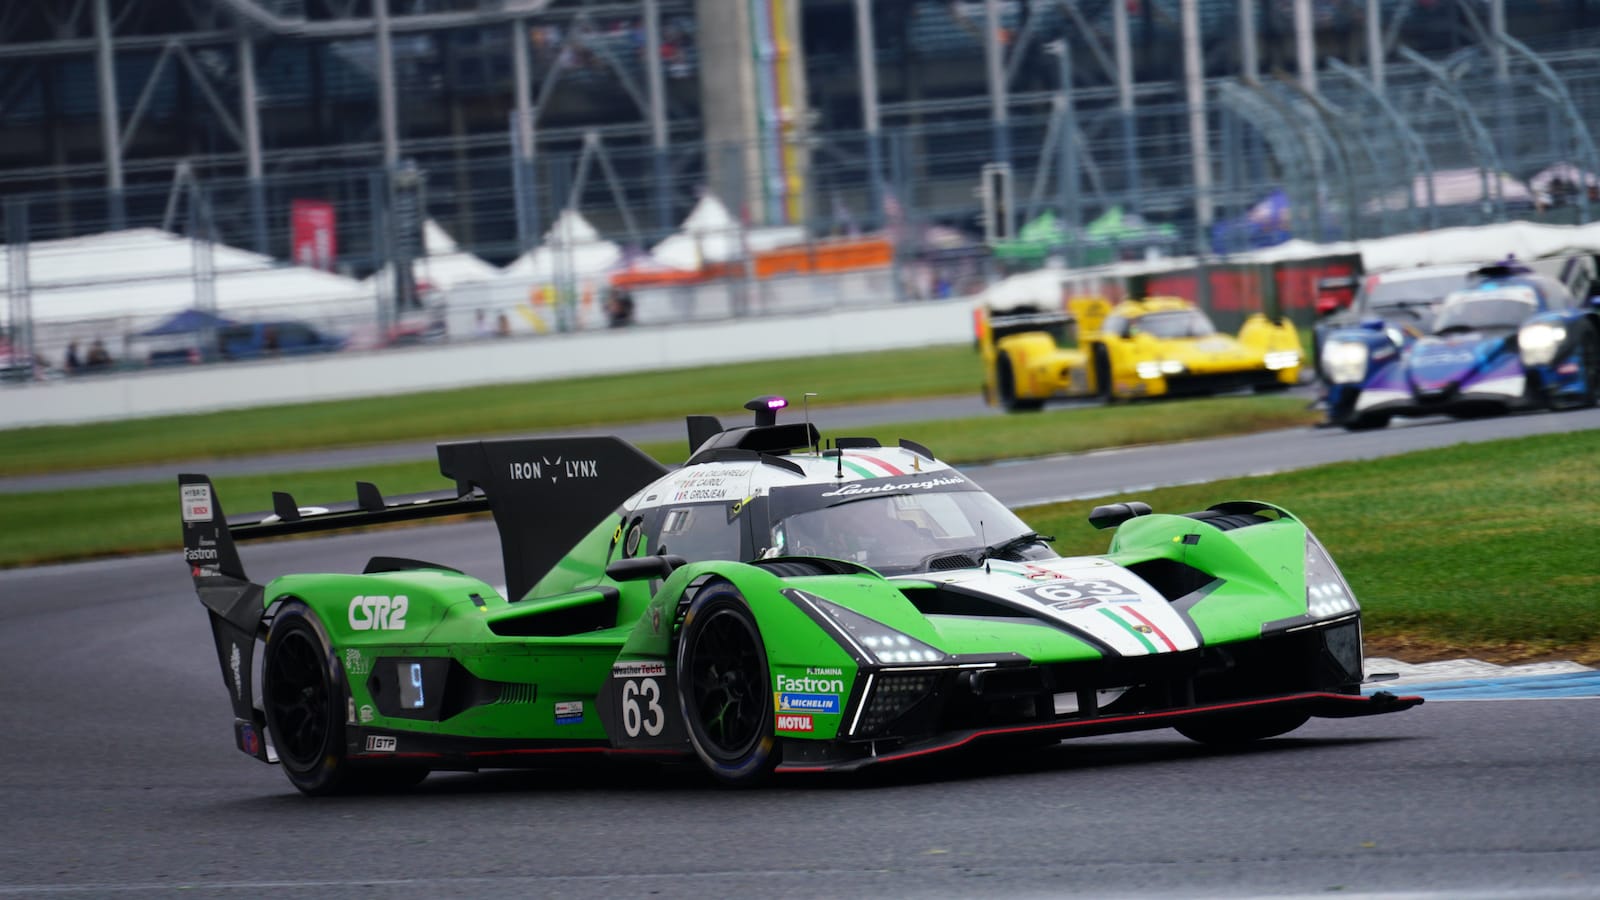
(805, 405)
(984, 536)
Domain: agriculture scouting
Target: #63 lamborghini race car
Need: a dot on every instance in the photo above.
(775, 604)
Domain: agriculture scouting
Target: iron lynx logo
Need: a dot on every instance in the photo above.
(555, 469)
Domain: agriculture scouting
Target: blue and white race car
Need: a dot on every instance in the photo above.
(1513, 340)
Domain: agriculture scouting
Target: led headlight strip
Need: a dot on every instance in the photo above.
(1327, 594)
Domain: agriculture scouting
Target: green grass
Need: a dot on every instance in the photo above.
(497, 409)
(48, 526)
(1484, 550)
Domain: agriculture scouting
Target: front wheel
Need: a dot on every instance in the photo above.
(725, 688)
(1589, 369)
(1242, 728)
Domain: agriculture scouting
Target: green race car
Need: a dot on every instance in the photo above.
(778, 603)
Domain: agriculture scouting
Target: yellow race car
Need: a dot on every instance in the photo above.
(1157, 346)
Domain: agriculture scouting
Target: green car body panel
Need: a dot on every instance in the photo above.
(771, 605)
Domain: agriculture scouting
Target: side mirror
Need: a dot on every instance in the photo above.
(1113, 514)
(640, 568)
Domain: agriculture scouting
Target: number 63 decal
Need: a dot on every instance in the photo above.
(641, 707)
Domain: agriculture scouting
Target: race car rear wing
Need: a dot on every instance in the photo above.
(545, 494)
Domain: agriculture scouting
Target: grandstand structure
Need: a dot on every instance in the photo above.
(1329, 118)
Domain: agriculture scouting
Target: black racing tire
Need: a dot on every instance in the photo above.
(1366, 423)
(1233, 729)
(725, 687)
(1102, 373)
(1005, 376)
(303, 694)
(1589, 362)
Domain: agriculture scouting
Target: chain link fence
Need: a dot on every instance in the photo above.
(597, 228)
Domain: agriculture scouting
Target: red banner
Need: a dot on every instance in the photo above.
(312, 236)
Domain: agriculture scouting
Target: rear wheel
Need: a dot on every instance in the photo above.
(1102, 373)
(1242, 728)
(1367, 423)
(304, 700)
(725, 687)
(1006, 384)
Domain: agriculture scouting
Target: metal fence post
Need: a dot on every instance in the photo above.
(19, 295)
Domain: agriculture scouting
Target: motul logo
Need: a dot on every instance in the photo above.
(794, 723)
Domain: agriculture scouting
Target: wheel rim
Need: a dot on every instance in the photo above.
(728, 682)
(297, 700)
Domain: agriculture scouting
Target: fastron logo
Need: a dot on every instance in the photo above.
(810, 684)
(379, 613)
(794, 723)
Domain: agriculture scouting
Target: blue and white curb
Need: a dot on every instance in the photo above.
(1474, 679)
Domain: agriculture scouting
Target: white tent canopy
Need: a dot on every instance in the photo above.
(571, 247)
(446, 266)
(710, 234)
(146, 272)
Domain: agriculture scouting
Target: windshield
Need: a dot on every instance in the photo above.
(1506, 308)
(1184, 323)
(1413, 293)
(902, 533)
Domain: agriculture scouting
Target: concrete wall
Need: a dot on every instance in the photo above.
(493, 361)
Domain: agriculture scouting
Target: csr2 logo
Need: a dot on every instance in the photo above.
(379, 613)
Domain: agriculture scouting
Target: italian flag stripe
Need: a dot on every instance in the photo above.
(1152, 626)
(861, 470)
(1128, 628)
(886, 466)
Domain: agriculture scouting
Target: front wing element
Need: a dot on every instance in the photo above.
(1318, 703)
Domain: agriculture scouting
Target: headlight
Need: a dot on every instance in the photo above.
(1282, 359)
(1345, 362)
(874, 640)
(1539, 341)
(1155, 368)
(1327, 594)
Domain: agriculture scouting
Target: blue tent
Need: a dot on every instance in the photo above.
(187, 322)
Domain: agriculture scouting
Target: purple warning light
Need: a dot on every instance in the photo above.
(776, 403)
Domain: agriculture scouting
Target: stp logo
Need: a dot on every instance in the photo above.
(379, 613)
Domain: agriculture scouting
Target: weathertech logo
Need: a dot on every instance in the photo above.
(794, 723)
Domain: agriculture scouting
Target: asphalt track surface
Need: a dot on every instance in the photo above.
(120, 778)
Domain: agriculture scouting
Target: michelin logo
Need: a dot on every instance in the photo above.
(816, 703)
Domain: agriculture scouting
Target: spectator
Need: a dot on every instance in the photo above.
(619, 309)
(502, 325)
(99, 357)
(480, 325)
(72, 363)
